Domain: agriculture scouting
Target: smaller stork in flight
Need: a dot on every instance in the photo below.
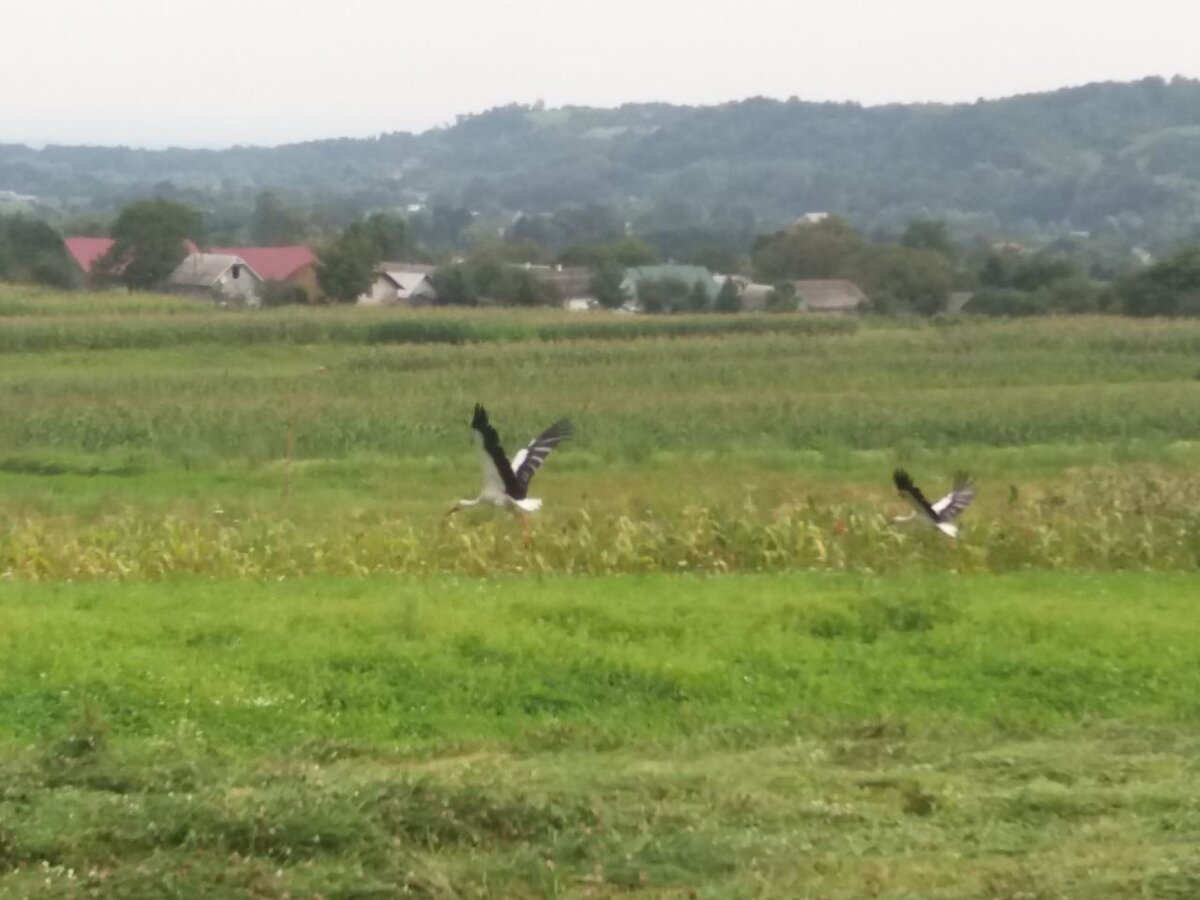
(507, 484)
(939, 515)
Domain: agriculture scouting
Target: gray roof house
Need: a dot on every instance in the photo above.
(217, 276)
(752, 296)
(830, 296)
(402, 284)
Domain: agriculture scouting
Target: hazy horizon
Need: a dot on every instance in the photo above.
(38, 144)
(138, 74)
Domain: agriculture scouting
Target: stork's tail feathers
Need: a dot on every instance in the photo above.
(529, 504)
(948, 528)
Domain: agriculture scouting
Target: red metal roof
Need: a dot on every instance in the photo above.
(86, 250)
(272, 263)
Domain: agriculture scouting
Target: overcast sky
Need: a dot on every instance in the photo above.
(220, 72)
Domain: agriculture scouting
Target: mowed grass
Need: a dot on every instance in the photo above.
(744, 736)
(243, 654)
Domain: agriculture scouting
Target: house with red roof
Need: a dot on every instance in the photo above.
(87, 251)
(295, 263)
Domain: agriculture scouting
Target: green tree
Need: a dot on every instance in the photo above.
(32, 251)
(625, 252)
(826, 249)
(921, 280)
(607, 285)
(1024, 272)
(389, 234)
(149, 242)
(283, 293)
(663, 295)
(454, 287)
(698, 298)
(782, 298)
(1170, 287)
(345, 266)
(727, 298)
(274, 223)
(523, 289)
(928, 234)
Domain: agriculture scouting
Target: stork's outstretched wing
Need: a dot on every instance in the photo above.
(530, 458)
(951, 506)
(498, 477)
(912, 493)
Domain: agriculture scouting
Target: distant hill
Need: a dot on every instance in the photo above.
(1117, 157)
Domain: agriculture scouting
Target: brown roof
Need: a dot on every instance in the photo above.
(830, 295)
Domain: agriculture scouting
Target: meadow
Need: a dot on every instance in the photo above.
(245, 654)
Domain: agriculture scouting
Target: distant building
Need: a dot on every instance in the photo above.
(217, 276)
(581, 304)
(295, 264)
(829, 296)
(400, 284)
(752, 297)
(957, 301)
(87, 251)
(811, 218)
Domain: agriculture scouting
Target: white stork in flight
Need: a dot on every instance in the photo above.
(939, 515)
(507, 484)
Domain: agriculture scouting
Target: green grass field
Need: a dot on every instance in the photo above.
(243, 654)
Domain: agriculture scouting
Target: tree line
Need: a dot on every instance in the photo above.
(913, 272)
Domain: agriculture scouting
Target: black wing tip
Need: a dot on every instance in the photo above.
(480, 418)
(902, 480)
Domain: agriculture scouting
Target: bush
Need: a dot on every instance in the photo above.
(283, 293)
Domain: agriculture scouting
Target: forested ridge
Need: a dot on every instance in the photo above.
(1114, 157)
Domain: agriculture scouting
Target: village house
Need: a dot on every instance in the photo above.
(87, 251)
(400, 284)
(217, 276)
(957, 301)
(834, 295)
(293, 264)
(752, 296)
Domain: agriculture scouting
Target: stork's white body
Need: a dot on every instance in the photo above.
(505, 481)
(941, 514)
(946, 528)
(494, 493)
